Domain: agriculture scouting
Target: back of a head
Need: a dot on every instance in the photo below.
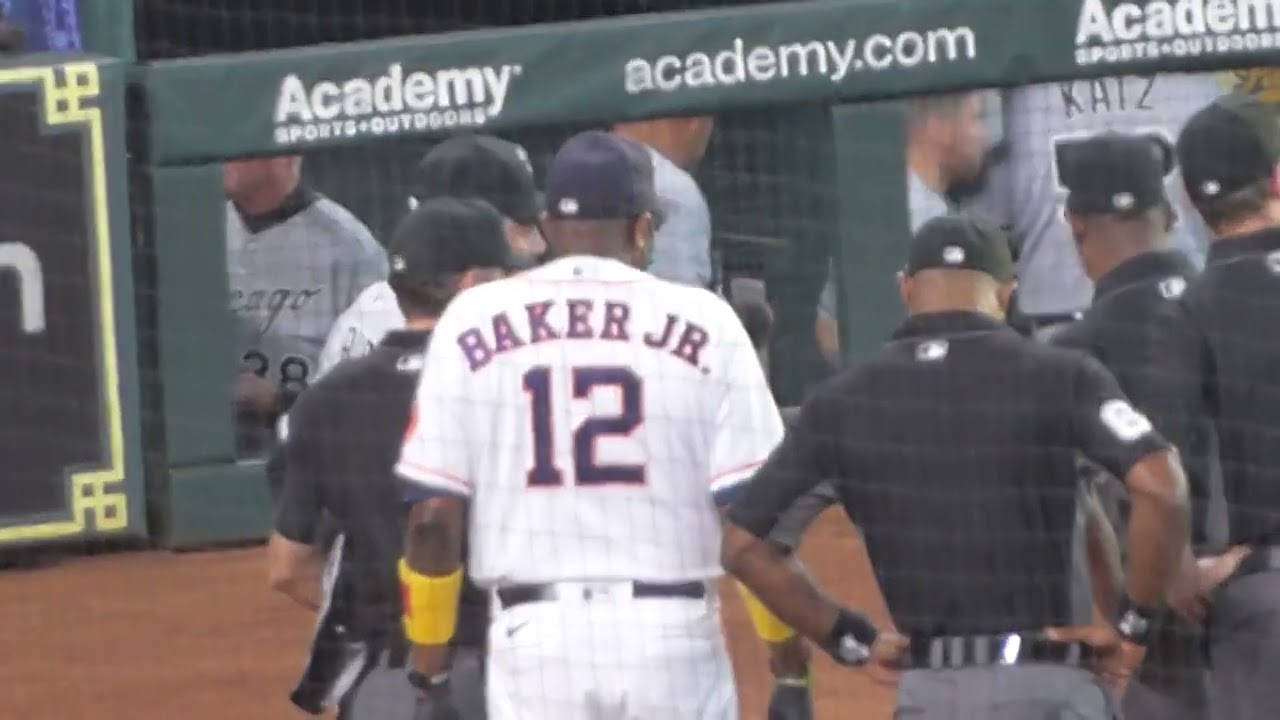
(481, 166)
(599, 189)
(1116, 201)
(958, 263)
(1228, 153)
(439, 241)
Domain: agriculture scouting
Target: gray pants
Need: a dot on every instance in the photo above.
(1244, 648)
(1142, 702)
(385, 693)
(797, 518)
(1020, 692)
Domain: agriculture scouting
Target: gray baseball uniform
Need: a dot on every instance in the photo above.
(291, 275)
(1041, 121)
(682, 246)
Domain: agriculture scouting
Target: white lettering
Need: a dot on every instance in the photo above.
(801, 53)
(398, 101)
(26, 265)
(762, 64)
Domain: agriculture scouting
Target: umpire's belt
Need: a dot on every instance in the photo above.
(513, 595)
(1262, 558)
(941, 653)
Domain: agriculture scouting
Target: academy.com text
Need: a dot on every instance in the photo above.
(833, 59)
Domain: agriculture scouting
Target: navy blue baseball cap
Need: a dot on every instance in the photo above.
(599, 176)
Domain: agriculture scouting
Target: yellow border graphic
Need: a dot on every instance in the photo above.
(91, 492)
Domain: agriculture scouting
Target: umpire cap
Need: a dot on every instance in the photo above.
(482, 166)
(1115, 174)
(599, 176)
(951, 242)
(1227, 146)
(447, 235)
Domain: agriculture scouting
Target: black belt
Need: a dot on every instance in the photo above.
(1262, 558)
(942, 653)
(513, 595)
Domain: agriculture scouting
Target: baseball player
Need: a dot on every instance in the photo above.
(592, 416)
(954, 450)
(682, 243)
(343, 442)
(482, 166)
(295, 261)
(1043, 123)
(948, 137)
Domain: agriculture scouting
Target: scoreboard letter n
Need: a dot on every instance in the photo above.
(24, 261)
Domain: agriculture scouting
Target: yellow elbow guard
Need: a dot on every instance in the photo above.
(768, 626)
(430, 605)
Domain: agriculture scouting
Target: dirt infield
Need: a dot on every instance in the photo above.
(198, 637)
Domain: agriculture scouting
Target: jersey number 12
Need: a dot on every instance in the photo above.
(585, 380)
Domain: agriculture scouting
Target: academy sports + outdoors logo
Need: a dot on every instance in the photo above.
(1111, 32)
(394, 102)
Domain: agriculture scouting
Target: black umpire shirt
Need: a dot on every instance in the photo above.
(1116, 329)
(342, 445)
(1217, 352)
(954, 450)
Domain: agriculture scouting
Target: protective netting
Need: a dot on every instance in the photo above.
(782, 195)
(181, 28)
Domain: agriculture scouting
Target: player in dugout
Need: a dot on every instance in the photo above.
(342, 443)
(295, 261)
(1120, 217)
(954, 450)
(482, 166)
(947, 140)
(682, 244)
(1214, 356)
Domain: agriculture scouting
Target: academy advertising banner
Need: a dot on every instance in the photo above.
(211, 108)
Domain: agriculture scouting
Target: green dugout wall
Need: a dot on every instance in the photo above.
(822, 76)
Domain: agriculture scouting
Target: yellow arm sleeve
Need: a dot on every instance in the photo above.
(767, 625)
(430, 605)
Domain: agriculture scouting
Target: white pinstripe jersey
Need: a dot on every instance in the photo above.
(589, 411)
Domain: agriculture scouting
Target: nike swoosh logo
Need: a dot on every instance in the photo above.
(512, 630)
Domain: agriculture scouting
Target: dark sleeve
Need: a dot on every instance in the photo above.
(801, 460)
(301, 506)
(1106, 428)
(1169, 385)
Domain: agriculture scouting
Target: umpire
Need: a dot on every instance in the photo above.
(1217, 354)
(954, 450)
(342, 444)
(1120, 219)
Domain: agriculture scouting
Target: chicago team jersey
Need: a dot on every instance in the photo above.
(361, 327)
(589, 411)
(1042, 122)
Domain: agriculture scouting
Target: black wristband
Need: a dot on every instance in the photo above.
(851, 638)
(1134, 622)
(428, 683)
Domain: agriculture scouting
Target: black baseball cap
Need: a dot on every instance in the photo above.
(955, 242)
(448, 235)
(599, 176)
(482, 166)
(1114, 174)
(1227, 146)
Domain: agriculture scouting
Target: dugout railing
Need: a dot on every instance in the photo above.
(849, 61)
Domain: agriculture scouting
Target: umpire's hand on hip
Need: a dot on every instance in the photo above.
(1115, 659)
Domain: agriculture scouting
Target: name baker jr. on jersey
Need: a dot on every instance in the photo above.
(548, 320)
